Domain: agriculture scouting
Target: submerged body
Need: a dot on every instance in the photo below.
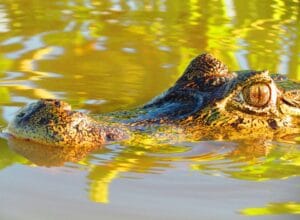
(208, 101)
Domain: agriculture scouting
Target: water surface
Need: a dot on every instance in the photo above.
(109, 55)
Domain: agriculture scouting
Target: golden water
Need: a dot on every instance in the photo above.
(108, 55)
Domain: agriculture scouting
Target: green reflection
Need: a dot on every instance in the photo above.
(103, 56)
(5, 64)
(135, 158)
(143, 155)
(274, 209)
(246, 162)
(116, 47)
(101, 176)
(9, 158)
(4, 94)
(254, 162)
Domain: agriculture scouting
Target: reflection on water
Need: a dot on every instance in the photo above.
(255, 162)
(244, 161)
(274, 208)
(108, 55)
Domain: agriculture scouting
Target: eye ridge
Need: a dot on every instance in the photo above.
(257, 95)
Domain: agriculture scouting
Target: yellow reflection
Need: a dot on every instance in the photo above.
(102, 176)
(146, 155)
(279, 9)
(95, 65)
(194, 12)
(99, 187)
(273, 209)
(132, 159)
(37, 92)
(5, 64)
(49, 156)
(4, 94)
(28, 65)
(254, 162)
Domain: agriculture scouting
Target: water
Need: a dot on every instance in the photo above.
(104, 56)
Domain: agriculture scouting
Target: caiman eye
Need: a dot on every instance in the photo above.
(257, 95)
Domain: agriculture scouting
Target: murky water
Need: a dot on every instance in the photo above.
(108, 55)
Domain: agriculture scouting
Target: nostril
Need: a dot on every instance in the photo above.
(57, 103)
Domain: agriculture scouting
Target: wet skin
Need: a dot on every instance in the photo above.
(207, 102)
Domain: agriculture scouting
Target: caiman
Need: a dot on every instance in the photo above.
(207, 102)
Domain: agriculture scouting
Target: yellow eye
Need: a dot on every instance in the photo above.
(257, 95)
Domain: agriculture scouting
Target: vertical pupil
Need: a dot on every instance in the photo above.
(257, 95)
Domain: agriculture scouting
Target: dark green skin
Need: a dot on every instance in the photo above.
(207, 101)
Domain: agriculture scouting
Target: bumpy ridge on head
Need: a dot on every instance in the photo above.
(208, 65)
(205, 72)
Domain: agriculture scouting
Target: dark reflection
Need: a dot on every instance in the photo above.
(108, 55)
(49, 156)
(258, 161)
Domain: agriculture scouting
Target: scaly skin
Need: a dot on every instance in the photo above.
(207, 102)
(53, 122)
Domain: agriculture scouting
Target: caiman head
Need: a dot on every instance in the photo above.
(208, 101)
(240, 104)
(52, 122)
